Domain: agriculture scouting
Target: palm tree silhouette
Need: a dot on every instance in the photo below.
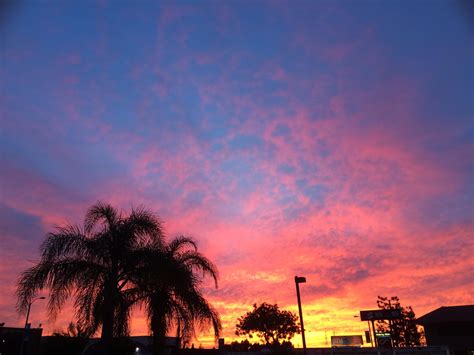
(169, 280)
(94, 264)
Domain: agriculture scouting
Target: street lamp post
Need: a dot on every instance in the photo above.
(29, 308)
(299, 280)
(25, 334)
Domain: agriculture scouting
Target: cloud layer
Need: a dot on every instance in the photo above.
(320, 139)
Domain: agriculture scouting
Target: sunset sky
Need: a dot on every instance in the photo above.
(326, 139)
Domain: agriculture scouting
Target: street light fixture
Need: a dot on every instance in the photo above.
(299, 280)
(29, 308)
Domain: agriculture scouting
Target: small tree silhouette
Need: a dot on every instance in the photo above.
(269, 323)
(404, 331)
(73, 330)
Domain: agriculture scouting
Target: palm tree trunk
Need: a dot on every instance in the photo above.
(158, 328)
(108, 318)
(107, 328)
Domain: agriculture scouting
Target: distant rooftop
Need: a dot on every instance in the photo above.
(448, 314)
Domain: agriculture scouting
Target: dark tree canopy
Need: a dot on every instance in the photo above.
(92, 264)
(169, 279)
(269, 324)
(404, 331)
(115, 262)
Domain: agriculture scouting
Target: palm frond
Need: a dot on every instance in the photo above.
(145, 226)
(30, 282)
(197, 261)
(100, 212)
(67, 240)
(180, 242)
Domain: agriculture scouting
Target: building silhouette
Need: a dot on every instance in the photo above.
(452, 327)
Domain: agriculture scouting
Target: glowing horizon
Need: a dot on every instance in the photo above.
(331, 140)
